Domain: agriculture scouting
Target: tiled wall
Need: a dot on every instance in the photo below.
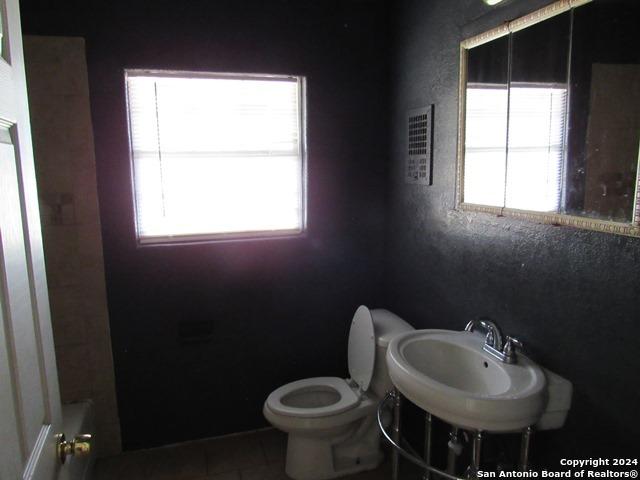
(66, 174)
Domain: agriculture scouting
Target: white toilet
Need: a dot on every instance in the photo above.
(331, 421)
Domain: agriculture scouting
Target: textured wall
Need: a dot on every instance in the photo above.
(279, 309)
(570, 295)
(66, 174)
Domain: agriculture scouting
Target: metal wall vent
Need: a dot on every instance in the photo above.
(419, 152)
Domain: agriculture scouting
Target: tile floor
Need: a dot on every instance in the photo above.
(253, 456)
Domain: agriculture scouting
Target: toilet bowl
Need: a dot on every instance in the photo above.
(330, 421)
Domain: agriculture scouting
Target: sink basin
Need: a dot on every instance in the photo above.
(449, 375)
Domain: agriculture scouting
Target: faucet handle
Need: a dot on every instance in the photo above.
(510, 347)
(471, 325)
(516, 343)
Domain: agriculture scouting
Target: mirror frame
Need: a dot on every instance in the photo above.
(631, 229)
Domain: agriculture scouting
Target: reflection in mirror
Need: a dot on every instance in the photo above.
(604, 116)
(537, 112)
(1, 29)
(551, 118)
(486, 139)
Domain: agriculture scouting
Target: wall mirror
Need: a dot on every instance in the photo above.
(549, 125)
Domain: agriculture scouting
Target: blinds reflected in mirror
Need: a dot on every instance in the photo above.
(524, 171)
(486, 144)
(571, 70)
(536, 139)
(215, 155)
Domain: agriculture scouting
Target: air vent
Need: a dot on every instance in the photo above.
(419, 152)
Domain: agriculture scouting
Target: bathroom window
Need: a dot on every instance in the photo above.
(216, 156)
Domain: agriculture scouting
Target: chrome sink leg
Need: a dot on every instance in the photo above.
(525, 446)
(395, 434)
(472, 471)
(428, 420)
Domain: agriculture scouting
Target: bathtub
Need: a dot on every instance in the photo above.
(78, 418)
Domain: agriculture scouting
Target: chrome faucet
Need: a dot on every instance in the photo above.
(493, 342)
(494, 335)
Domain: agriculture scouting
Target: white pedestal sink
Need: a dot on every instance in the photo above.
(448, 374)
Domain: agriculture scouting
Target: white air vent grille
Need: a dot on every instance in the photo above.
(419, 135)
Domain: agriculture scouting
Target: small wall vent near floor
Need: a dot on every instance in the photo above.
(419, 142)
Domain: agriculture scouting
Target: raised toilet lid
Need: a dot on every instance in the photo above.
(362, 348)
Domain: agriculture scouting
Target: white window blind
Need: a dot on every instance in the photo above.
(523, 171)
(486, 145)
(216, 156)
(536, 154)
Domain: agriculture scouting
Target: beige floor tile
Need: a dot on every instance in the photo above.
(232, 475)
(255, 456)
(182, 462)
(268, 472)
(380, 473)
(234, 453)
(274, 445)
(126, 466)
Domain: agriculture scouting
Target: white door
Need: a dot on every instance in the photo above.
(30, 415)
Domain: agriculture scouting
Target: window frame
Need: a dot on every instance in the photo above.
(181, 239)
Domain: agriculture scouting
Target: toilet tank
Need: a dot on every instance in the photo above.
(386, 326)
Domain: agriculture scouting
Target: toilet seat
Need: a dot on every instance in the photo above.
(289, 400)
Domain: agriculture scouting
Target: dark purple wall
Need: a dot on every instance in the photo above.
(571, 295)
(266, 312)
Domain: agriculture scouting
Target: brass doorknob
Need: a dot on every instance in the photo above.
(80, 446)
